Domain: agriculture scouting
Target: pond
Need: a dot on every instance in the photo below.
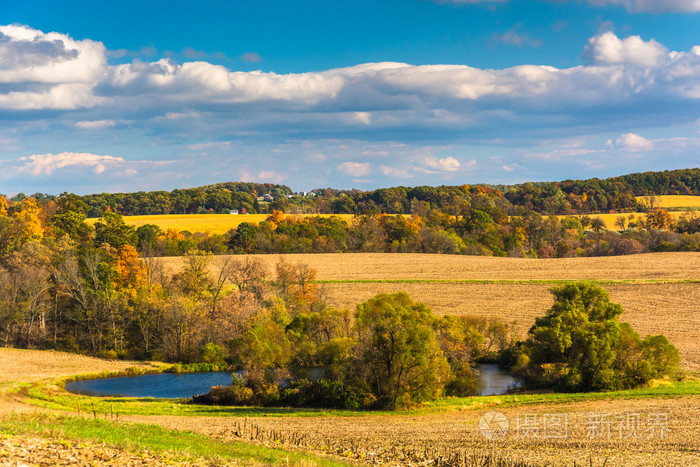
(491, 380)
(161, 385)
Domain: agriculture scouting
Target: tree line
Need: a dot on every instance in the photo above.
(616, 194)
(393, 352)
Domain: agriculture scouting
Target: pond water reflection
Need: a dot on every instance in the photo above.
(491, 380)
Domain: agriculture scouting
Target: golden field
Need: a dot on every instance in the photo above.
(611, 219)
(674, 201)
(211, 223)
(660, 292)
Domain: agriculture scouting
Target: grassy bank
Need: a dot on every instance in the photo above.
(52, 396)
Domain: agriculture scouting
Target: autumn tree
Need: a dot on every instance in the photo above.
(112, 229)
(402, 359)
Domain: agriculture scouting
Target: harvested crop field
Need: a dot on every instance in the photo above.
(620, 432)
(33, 365)
(25, 451)
(660, 292)
(415, 266)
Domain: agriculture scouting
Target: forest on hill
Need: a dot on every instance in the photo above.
(561, 198)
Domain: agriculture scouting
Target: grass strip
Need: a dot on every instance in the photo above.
(135, 438)
(52, 397)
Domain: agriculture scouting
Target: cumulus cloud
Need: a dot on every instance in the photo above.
(632, 142)
(48, 70)
(46, 164)
(95, 124)
(383, 94)
(355, 169)
(607, 48)
(31, 56)
(446, 164)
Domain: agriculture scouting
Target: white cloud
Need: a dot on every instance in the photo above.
(653, 6)
(608, 49)
(446, 164)
(62, 96)
(377, 110)
(438, 95)
(29, 55)
(355, 169)
(362, 117)
(263, 176)
(46, 164)
(61, 71)
(632, 142)
(396, 172)
(95, 124)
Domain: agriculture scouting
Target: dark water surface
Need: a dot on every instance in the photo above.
(162, 385)
(491, 380)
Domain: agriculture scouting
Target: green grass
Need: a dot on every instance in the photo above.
(53, 397)
(176, 445)
(676, 389)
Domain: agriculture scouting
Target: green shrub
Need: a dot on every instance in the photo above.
(212, 353)
(321, 393)
(580, 346)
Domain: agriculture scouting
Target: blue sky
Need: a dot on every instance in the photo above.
(117, 96)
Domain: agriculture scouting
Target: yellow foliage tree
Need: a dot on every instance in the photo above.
(130, 270)
(28, 218)
(3, 206)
